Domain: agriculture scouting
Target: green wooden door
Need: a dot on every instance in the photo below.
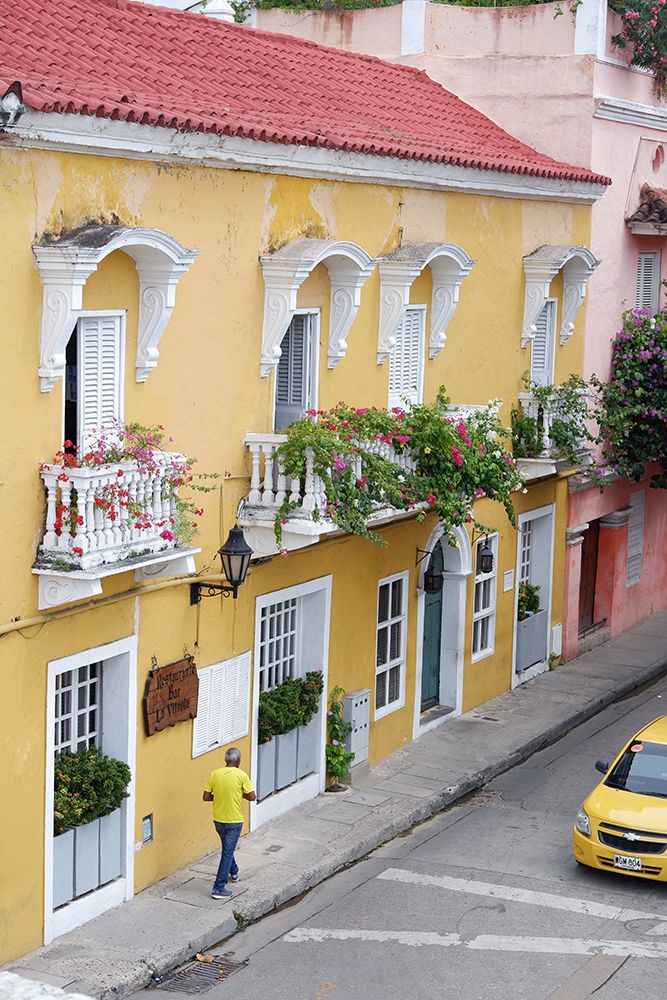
(432, 636)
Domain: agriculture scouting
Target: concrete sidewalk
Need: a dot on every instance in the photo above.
(169, 922)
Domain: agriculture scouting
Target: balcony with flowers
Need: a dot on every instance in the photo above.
(116, 506)
(549, 428)
(353, 470)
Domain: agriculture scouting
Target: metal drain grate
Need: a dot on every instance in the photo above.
(201, 976)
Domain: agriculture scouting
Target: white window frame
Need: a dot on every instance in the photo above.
(312, 357)
(489, 612)
(550, 308)
(635, 546)
(118, 740)
(223, 704)
(317, 658)
(640, 302)
(396, 399)
(400, 660)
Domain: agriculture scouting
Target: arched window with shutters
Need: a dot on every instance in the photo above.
(543, 347)
(296, 373)
(406, 361)
(95, 362)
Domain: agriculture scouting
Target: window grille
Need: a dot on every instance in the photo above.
(78, 722)
(278, 643)
(526, 546)
(484, 603)
(390, 642)
(406, 361)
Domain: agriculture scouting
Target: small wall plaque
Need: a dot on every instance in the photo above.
(171, 695)
(508, 580)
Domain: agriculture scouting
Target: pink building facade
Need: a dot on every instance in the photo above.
(558, 84)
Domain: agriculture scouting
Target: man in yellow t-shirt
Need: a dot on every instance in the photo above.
(226, 789)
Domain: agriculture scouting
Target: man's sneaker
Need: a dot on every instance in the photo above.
(234, 878)
(221, 894)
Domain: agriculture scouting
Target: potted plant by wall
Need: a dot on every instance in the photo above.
(286, 741)
(89, 788)
(338, 757)
(531, 629)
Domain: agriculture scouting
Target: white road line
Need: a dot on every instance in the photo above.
(547, 899)
(484, 942)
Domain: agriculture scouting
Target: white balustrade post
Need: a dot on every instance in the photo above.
(255, 496)
(267, 495)
(309, 483)
(64, 540)
(280, 494)
(50, 537)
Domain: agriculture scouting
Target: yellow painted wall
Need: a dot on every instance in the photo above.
(207, 393)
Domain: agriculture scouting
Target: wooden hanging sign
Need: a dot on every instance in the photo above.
(171, 695)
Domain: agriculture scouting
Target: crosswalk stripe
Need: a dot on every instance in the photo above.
(585, 906)
(483, 942)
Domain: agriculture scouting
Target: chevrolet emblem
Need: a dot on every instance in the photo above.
(632, 836)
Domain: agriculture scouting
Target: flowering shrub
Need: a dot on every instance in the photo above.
(142, 446)
(293, 703)
(439, 461)
(644, 37)
(631, 409)
(338, 758)
(87, 784)
(567, 429)
(242, 8)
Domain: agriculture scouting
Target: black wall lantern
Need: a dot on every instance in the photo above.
(486, 558)
(432, 576)
(235, 555)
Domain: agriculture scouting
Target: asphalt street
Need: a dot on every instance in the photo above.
(484, 900)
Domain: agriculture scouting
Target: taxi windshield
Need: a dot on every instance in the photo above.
(642, 769)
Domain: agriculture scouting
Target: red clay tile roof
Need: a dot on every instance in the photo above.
(140, 63)
(652, 207)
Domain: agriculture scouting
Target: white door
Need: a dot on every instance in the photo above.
(296, 374)
(543, 350)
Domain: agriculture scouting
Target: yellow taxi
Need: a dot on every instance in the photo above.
(622, 825)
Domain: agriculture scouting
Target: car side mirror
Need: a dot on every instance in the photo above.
(602, 766)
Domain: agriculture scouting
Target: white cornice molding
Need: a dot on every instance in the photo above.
(449, 266)
(348, 264)
(577, 264)
(66, 264)
(96, 136)
(631, 113)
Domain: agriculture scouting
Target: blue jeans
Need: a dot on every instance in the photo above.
(229, 834)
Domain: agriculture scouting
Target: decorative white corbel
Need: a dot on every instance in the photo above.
(346, 284)
(284, 271)
(66, 264)
(63, 277)
(396, 277)
(448, 271)
(576, 273)
(449, 265)
(541, 266)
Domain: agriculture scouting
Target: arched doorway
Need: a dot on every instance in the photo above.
(441, 630)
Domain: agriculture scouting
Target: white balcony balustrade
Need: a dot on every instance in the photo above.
(306, 521)
(550, 459)
(91, 530)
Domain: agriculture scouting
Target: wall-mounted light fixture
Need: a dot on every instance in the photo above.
(486, 557)
(432, 576)
(235, 555)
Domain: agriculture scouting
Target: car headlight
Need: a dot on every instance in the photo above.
(582, 822)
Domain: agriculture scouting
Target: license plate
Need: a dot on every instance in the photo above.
(630, 864)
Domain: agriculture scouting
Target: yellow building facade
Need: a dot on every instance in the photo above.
(96, 230)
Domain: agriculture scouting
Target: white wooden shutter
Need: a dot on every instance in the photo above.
(543, 346)
(633, 573)
(224, 704)
(200, 722)
(100, 374)
(648, 279)
(406, 362)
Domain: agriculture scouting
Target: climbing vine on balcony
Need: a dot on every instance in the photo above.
(644, 36)
(567, 408)
(414, 459)
(631, 408)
